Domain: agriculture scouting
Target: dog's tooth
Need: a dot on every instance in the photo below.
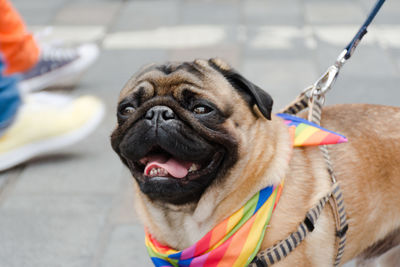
(158, 172)
(194, 167)
(161, 172)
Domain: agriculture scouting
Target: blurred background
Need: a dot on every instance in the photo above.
(75, 207)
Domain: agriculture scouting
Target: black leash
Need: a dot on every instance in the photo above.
(363, 30)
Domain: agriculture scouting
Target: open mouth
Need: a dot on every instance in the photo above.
(160, 165)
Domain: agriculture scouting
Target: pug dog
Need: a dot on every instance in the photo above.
(200, 140)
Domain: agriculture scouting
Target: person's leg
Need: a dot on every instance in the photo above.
(17, 45)
(45, 123)
(42, 122)
(42, 67)
(9, 98)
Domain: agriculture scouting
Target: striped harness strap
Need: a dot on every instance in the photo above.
(335, 198)
(284, 247)
(337, 204)
(336, 201)
(281, 249)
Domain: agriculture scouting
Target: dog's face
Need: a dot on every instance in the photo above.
(177, 126)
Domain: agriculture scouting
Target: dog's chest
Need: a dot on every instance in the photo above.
(184, 231)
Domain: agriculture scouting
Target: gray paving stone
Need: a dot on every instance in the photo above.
(37, 17)
(226, 13)
(96, 1)
(58, 204)
(371, 61)
(349, 264)
(285, 12)
(3, 180)
(389, 13)
(141, 15)
(234, 34)
(280, 54)
(6, 177)
(279, 37)
(229, 53)
(398, 64)
(394, 55)
(216, 1)
(123, 211)
(361, 89)
(50, 230)
(35, 5)
(38, 12)
(126, 248)
(113, 69)
(87, 13)
(335, 12)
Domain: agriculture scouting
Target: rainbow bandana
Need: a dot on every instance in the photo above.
(307, 133)
(236, 240)
(233, 242)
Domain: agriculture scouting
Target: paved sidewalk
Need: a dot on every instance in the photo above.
(75, 208)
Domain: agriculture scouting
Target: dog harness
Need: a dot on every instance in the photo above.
(313, 97)
(236, 240)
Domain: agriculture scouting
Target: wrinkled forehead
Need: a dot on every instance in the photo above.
(171, 78)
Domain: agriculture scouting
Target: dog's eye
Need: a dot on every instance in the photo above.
(127, 110)
(201, 109)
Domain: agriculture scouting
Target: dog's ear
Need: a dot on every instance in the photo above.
(255, 95)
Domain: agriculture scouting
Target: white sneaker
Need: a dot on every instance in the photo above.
(48, 122)
(59, 67)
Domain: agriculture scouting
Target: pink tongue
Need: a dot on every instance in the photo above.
(176, 168)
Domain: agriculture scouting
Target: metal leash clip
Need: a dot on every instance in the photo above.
(325, 82)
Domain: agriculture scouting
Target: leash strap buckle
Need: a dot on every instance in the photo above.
(325, 82)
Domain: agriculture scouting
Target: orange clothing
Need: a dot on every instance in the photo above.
(17, 46)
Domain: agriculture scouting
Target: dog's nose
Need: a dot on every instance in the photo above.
(158, 113)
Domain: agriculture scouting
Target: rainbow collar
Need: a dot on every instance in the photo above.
(236, 240)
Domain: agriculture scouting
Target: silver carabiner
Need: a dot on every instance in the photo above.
(325, 82)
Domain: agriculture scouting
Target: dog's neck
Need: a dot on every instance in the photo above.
(261, 163)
